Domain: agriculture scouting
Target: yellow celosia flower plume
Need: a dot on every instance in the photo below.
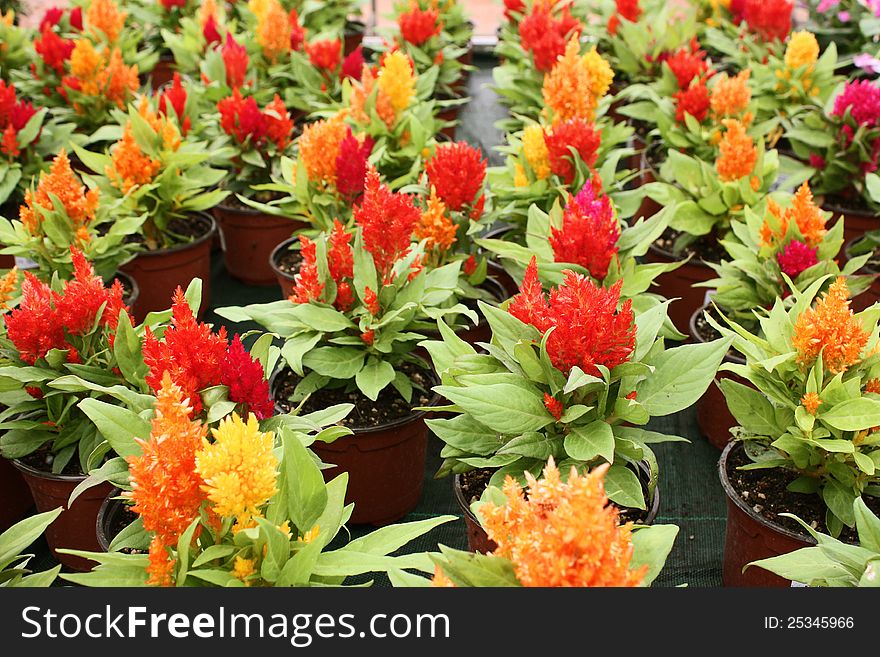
(239, 469)
(397, 81)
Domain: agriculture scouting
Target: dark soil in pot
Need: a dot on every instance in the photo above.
(766, 493)
(385, 457)
(366, 414)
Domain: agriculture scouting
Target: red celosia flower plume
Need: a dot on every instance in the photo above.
(578, 134)
(83, 297)
(796, 258)
(189, 351)
(245, 378)
(51, 17)
(76, 18)
(694, 101)
(210, 31)
(513, 6)
(387, 221)
(306, 284)
(241, 118)
(325, 54)
(297, 31)
(418, 25)
(351, 166)
(457, 172)
(175, 96)
(353, 64)
(588, 329)
(35, 328)
(862, 98)
(235, 59)
(589, 233)
(688, 63)
(53, 50)
(279, 125)
(545, 36)
(628, 10)
(769, 18)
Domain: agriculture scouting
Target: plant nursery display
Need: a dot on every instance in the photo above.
(430, 293)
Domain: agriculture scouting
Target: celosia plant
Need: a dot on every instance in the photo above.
(20, 128)
(257, 136)
(393, 106)
(60, 213)
(545, 163)
(326, 180)
(812, 408)
(219, 508)
(587, 237)
(842, 145)
(558, 533)
(771, 250)
(17, 50)
(361, 302)
(709, 196)
(749, 30)
(574, 376)
(434, 34)
(60, 346)
(153, 170)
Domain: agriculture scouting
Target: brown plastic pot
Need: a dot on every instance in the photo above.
(131, 298)
(385, 466)
(15, 495)
(713, 417)
(855, 222)
(163, 72)
(478, 539)
(353, 36)
(75, 527)
(679, 284)
(870, 296)
(160, 272)
(751, 537)
(285, 280)
(248, 237)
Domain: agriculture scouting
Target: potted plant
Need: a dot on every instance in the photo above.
(190, 40)
(60, 213)
(528, 50)
(57, 335)
(335, 17)
(238, 515)
(157, 171)
(748, 30)
(394, 106)
(767, 255)
(831, 562)
(707, 198)
(361, 304)
(20, 128)
(804, 443)
(555, 533)
(258, 138)
(588, 237)
(546, 163)
(575, 378)
(434, 36)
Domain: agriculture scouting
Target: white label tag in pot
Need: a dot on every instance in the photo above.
(25, 263)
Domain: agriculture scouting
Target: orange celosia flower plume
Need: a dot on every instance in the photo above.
(79, 205)
(166, 488)
(105, 20)
(574, 86)
(831, 329)
(562, 533)
(273, 30)
(737, 152)
(434, 226)
(319, 147)
(8, 286)
(806, 214)
(131, 166)
(730, 97)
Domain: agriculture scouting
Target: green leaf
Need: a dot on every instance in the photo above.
(651, 547)
(306, 491)
(503, 407)
(320, 318)
(681, 376)
(868, 526)
(623, 487)
(374, 377)
(533, 445)
(587, 442)
(23, 533)
(853, 414)
(299, 568)
(335, 362)
(296, 347)
(751, 409)
(118, 425)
